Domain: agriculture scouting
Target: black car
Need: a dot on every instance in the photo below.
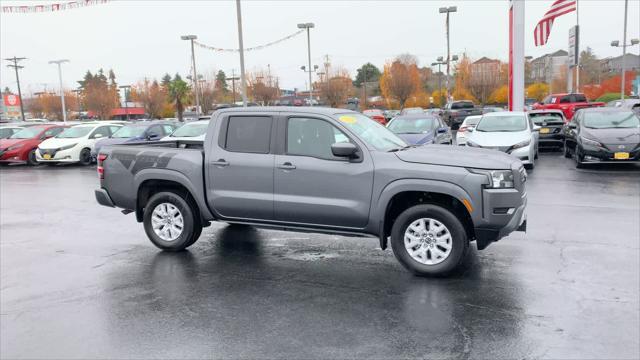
(551, 123)
(603, 135)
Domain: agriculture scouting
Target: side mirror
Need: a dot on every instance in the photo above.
(572, 125)
(536, 128)
(344, 149)
(442, 130)
(97, 136)
(470, 129)
(152, 137)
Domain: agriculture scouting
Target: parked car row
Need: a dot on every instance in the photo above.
(42, 143)
(594, 135)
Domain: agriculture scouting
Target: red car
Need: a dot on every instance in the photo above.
(377, 115)
(568, 103)
(21, 146)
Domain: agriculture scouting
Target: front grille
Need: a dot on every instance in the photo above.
(621, 147)
(51, 152)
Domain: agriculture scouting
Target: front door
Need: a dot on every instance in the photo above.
(240, 168)
(312, 186)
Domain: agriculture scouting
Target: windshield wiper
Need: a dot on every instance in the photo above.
(401, 148)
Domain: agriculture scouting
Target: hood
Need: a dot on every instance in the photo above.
(613, 136)
(417, 139)
(462, 156)
(55, 143)
(499, 139)
(5, 143)
(178, 138)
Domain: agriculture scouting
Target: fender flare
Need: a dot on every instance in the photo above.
(404, 185)
(177, 177)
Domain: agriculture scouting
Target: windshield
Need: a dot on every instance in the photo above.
(506, 123)
(28, 133)
(374, 134)
(609, 120)
(75, 132)
(412, 126)
(540, 119)
(462, 105)
(191, 130)
(128, 132)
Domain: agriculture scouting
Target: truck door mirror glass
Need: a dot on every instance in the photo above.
(344, 149)
(442, 130)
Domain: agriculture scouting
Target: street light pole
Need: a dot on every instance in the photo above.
(448, 10)
(624, 45)
(308, 26)
(439, 61)
(59, 63)
(624, 48)
(126, 103)
(195, 73)
(17, 67)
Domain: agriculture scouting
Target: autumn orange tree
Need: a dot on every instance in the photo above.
(152, 97)
(500, 95)
(400, 80)
(463, 79)
(100, 94)
(537, 91)
(337, 87)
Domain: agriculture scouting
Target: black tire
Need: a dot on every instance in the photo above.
(31, 158)
(460, 242)
(85, 157)
(566, 152)
(530, 166)
(578, 158)
(190, 231)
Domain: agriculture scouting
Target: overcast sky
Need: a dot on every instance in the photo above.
(140, 39)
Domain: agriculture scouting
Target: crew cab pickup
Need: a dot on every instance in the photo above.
(567, 103)
(455, 112)
(318, 170)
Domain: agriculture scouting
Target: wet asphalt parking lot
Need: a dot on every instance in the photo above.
(79, 280)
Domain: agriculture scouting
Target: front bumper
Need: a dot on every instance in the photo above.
(56, 156)
(551, 140)
(523, 154)
(503, 212)
(592, 154)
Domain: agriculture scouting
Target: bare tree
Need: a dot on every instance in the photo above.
(337, 87)
(263, 87)
(152, 96)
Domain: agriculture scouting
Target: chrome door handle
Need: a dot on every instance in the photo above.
(220, 163)
(286, 166)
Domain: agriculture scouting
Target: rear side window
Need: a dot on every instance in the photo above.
(565, 100)
(250, 134)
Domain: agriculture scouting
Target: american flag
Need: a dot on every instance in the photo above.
(543, 29)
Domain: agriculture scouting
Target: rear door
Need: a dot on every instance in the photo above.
(312, 186)
(240, 167)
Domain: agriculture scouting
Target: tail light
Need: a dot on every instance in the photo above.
(462, 129)
(101, 159)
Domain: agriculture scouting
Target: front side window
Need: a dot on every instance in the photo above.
(371, 132)
(312, 137)
(102, 130)
(565, 100)
(250, 134)
(53, 132)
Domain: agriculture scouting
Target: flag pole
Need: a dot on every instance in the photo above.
(578, 46)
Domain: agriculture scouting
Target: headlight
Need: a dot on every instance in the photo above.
(498, 179)
(67, 147)
(472, 144)
(521, 144)
(16, 146)
(590, 142)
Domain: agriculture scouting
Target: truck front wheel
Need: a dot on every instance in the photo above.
(170, 222)
(429, 240)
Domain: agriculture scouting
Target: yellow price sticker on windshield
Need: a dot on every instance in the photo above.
(348, 119)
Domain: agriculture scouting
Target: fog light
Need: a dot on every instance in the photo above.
(591, 158)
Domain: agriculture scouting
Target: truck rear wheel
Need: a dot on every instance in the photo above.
(171, 222)
(429, 240)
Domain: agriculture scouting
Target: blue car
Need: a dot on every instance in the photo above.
(421, 129)
(143, 131)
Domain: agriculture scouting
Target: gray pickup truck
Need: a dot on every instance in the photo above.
(319, 170)
(455, 112)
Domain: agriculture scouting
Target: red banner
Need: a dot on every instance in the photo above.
(52, 7)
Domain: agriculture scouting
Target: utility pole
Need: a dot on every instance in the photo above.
(364, 84)
(17, 67)
(243, 82)
(309, 26)
(77, 92)
(195, 73)
(624, 48)
(59, 63)
(448, 10)
(233, 84)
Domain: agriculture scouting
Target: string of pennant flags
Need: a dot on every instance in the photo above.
(52, 7)
(213, 48)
